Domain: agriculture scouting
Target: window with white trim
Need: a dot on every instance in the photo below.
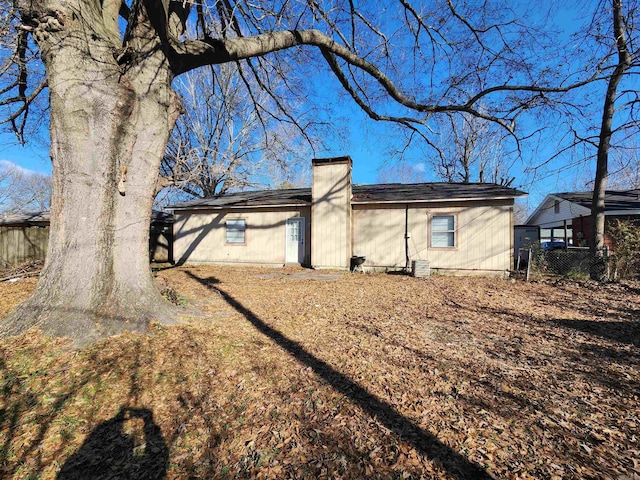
(443, 231)
(236, 230)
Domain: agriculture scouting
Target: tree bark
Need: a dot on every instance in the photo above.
(109, 129)
(598, 270)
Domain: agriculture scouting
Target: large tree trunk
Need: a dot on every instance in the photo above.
(109, 129)
(598, 264)
(598, 267)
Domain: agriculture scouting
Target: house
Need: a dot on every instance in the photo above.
(24, 237)
(566, 216)
(457, 228)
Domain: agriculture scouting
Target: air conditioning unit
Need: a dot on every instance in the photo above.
(420, 268)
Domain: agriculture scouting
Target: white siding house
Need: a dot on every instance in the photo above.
(569, 213)
(555, 217)
(555, 210)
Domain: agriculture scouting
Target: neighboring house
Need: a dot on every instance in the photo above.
(458, 228)
(567, 216)
(25, 237)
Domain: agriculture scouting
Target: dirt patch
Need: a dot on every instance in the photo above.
(365, 376)
(303, 274)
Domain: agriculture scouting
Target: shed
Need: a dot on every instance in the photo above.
(24, 237)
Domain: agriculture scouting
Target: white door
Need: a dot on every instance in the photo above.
(295, 240)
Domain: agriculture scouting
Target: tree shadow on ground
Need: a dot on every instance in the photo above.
(128, 446)
(621, 332)
(424, 442)
(40, 418)
(592, 359)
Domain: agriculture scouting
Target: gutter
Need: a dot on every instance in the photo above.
(440, 200)
(227, 207)
(353, 202)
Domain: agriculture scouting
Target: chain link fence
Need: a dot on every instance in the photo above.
(620, 263)
(576, 262)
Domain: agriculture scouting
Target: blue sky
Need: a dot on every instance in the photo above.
(364, 145)
(367, 154)
(36, 157)
(31, 157)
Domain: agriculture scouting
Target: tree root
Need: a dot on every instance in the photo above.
(83, 326)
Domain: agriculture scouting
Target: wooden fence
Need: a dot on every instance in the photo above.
(22, 244)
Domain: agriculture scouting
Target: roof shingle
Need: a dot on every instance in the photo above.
(387, 193)
(613, 199)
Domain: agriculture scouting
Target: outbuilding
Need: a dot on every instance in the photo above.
(24, 237)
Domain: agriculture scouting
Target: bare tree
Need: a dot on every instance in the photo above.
(402, 172)
(520, 212)
(21, 72)
(604, 118)
(472, 149)
(625, 169)
(6, 184)
(625, 58)
(110, 66)
(221, 143)
(22, 190)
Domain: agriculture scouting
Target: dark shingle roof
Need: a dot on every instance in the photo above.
(613, 199)
(391, 192)
(430, 192)
(43, 218)
(292, 196)
(33, 218)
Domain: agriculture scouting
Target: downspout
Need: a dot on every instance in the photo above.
(406, 237)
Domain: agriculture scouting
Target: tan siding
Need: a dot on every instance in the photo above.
(378, 234)
(331, 227)
(483, 240)
(200, 237)
(483, 237)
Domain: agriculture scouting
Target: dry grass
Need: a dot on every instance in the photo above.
(367, 376)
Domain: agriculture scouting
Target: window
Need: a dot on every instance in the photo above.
(443, 231)
(294, 230)
(556, 206)
(235, 230)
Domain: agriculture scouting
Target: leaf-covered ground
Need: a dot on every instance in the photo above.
(310, 375)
